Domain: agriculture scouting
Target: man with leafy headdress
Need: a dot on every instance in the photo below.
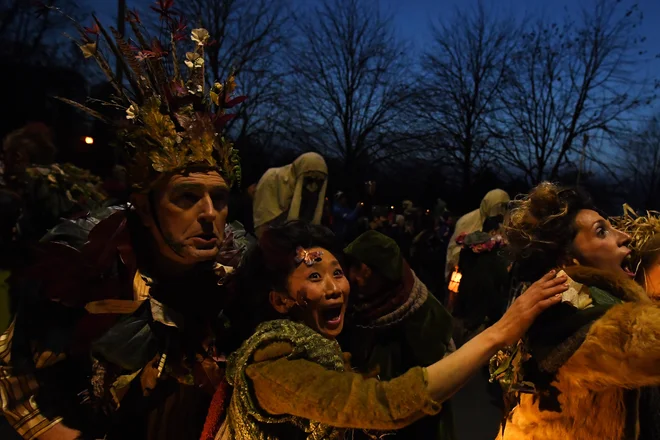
(119, 331)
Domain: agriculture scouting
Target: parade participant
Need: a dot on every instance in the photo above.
(292, 192)
(645, 247)
(344, 218)
(118, 329)
(644, 232)
(289, 377)
(394, 323)
(582, 362)
(483, 290)
(49, 191)
(493, 204)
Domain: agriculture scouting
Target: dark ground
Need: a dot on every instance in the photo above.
(476, 417)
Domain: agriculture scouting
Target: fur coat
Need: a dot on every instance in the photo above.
(598, 384)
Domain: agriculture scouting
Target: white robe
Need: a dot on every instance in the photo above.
(279, 190)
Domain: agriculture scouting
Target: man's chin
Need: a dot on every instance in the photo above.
(201, 255)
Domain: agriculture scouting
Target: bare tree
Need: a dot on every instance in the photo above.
(642, 167)
(350, 85)
(248, 37)
(31, 32)
(464, 71)
(572, 80)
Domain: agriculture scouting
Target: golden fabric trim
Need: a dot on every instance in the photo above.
(121, 306)
(6, 342)
(245, 419)
(141, 287)
(19, 406)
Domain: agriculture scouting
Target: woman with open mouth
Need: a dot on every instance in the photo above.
(290, 378)
(578, 373)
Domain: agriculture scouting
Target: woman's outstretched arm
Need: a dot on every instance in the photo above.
(347, 400)
(448, 375)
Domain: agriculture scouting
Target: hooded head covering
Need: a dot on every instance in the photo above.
(493, 204)
(379, 252)
(280, 190)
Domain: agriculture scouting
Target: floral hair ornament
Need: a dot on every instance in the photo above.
(309, 258)
(172, 122)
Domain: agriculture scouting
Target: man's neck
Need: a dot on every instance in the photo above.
(164, 268)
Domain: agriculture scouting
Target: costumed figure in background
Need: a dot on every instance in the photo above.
(644, 232)
(343, 217)
(118, 330)
(483, 290)
(578, 373)
(49, 191)
(394, 323)
(292, 192)
(494, 203)
(429, 250)
(290, 379)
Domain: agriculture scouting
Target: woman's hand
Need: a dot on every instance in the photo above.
(527, 307)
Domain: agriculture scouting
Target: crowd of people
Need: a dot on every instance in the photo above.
(142, 308)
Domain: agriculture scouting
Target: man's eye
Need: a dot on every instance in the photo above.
(186, 200)
(220, 201)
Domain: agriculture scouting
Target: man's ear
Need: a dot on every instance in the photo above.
(281, 302)
(143, 208)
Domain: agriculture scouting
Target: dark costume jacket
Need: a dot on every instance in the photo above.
(413, 330)
(99, 345)
(589, 364)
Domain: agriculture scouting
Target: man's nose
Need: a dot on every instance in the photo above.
(207, 211)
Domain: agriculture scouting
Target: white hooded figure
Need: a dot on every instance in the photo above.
(494, 203)
(292, 192)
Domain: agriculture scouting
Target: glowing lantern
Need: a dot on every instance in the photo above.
(455, 281)
(89, 140)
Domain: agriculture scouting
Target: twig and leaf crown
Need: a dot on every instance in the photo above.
(172, 123)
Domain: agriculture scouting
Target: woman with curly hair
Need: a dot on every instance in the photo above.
(289, 377)
(591, 354)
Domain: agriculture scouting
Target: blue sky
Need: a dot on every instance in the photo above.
(412, 17)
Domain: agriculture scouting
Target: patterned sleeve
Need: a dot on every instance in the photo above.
(17, 392)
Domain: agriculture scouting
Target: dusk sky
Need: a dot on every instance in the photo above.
(412, 17)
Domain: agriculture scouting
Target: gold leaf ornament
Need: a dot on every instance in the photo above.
(132, 112)
(200, 36)
(194, 60)
(215, 93)
(88, 50)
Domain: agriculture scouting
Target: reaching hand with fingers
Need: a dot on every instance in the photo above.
(528, 306)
